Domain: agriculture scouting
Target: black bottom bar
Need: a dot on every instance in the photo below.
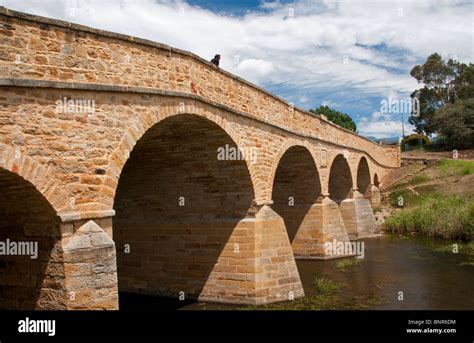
(447, 326)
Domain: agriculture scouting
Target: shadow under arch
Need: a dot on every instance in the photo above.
(177, 204)
(340, 179)
(29, 222)
(296, 187)
(363, 177)
(376, 181)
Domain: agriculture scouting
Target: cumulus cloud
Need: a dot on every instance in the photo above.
(355, 49)
(330, 103)
(255, 69)
(383, 125)
(384, 128)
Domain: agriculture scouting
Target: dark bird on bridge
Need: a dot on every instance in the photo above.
(216, 60)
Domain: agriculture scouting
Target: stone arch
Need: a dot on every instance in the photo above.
(38, 174)
(288, 144)
(154, 116)
(376, 180)
(363, 177)
(178, 205)
(296, 187)
(33, 279)
(374, 195)
(340, 179)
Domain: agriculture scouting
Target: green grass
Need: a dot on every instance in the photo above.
(470, 248)
(435, 215)
(420, 178)
(409, 198)
(468, 263)
(348, 264)
(466, 248)
(456, 167)
(324, 299)
(444, 248)
(327, 298)
(417, 179)
(325, 286)
(444, 168)
(427, 189)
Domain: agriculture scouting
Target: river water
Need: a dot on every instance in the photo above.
(428, 273)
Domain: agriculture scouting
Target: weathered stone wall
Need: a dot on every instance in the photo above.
(358, 217)
(90, 268)
(28, 281)
(84, 155)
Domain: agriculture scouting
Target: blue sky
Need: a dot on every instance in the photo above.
(347, 54)
(236, 8)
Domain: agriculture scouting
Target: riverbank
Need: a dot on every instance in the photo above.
(437, 201)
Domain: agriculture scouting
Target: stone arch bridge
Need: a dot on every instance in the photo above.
(109, 162)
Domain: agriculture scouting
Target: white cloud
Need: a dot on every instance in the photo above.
(376, 115)
(303, 99)
(330, 103)
(382, 125)
(255, 69)
(384, 128)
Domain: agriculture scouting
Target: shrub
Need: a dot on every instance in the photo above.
(348, 264)
(326, 286)
(409, 198)
(415, 140)
(436, 215)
